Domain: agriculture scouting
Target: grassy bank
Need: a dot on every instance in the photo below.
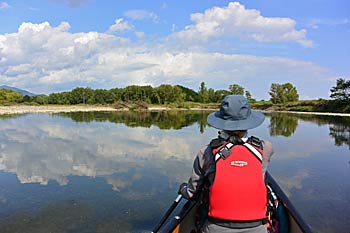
(321, 105)
(332, 106)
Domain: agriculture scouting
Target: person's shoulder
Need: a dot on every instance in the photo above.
(216, 142)
(259, 142)
(266, 142)
(203, 149)
(267, 147)
(255, 141)
(213, 144)
(258, 139)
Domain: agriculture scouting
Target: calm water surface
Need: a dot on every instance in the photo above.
(118, 172)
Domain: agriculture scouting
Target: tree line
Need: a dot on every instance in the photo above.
(163, 94)
(166, 94)
(280, 124)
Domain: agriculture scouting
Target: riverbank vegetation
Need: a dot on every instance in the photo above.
(284, 97)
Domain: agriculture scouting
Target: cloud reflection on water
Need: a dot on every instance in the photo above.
(52, 149)
(142, 163)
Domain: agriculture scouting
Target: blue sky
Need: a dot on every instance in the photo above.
(56, 45)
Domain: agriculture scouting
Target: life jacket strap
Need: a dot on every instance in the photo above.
(225, 151)
(254, 151)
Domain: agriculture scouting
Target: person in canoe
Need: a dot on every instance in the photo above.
(231, 170)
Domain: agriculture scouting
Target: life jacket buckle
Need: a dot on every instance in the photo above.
(224, 152)
(254, 141)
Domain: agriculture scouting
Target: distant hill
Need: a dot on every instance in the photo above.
(24, 92)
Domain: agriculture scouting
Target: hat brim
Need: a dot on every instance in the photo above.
(254, 120)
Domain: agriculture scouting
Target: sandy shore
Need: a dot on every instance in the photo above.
(20, 109)
(318, 113)
(50, 109)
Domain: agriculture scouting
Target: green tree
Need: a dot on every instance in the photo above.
(236, 89)
(80, 95)
(166, 94)
(220, 95)
(276, 93)
(14, 97)
(189, 94)
(147, 92)
(341, 91)
(249, 97)
(40, 99)
(27, 98)
(59, 98)
(203, 93)
(283, 93)
(100, 96)
(282, 124)
(116, 93)
(211, 95)
(64, 97)
(8, 96)
(132, 93)
(291, 92)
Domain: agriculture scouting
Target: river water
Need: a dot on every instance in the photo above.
(118, 172)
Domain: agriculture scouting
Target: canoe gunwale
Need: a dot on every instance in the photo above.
(298, 225)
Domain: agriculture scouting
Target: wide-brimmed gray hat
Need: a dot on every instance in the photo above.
(235, 114)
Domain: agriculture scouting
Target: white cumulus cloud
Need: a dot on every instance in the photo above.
(235, 21)
(43, 58)
(120, 25)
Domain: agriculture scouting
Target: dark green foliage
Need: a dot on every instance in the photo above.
(236, 89)
(211, 96)
(189, 94)
(341, 106)
(341, 91)
(249, 97)
(161, 119)
(283, 97)
(283, 124)
(219, 95)
(203, 93)
(80, 95)
(8, 96)
(283, 93)
(340, 131)
(137, 93)
(166, 94)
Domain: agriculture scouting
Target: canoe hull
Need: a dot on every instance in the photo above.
(185, 217)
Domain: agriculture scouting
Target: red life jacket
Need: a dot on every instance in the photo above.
(238, 192)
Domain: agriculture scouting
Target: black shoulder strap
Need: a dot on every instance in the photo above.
(224, 152)
(215, 143)
(256, 142)
(250, 144)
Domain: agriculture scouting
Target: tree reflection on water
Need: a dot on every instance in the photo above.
(161, 119)
(339, 127)
(285, 124)
(282, 124)
(119, 172)
(341, 133)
